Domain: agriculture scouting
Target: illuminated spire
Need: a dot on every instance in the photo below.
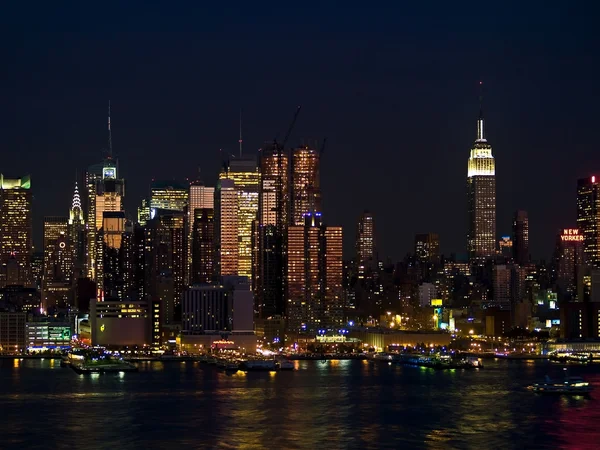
(75, 214)
(240, 141)
(480, 132)
(109, 134)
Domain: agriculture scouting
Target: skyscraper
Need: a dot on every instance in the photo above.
(269, 233)
(15, 230)
(57, 273)
(306, 184)
(245, 175)
(227, 228)
(568, 259)
(77, 233)
(169, 195)
(588, 218)
(427, 248)
(203, 245)
(200, 197)
(314, 275)
(481, 198)
(521, 238)
(365, 243)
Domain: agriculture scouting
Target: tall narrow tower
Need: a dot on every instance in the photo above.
(481, 197)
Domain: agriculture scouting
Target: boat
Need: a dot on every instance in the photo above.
(258, 364)
(286, 364)
(571, 386)
(64, 361)
(571, 357)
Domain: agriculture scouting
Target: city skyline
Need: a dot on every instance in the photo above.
(364, 98)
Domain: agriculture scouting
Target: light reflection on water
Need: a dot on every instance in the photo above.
(331, 404)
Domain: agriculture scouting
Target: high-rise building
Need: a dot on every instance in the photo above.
(269, 242)
(588, 218)
(314, 275)
(16, 244)
(306, 184)
(568, 259)
(57, 274)
(481, 198)
(105, 192)
(203, 246)
(245, 175)
(165, 261)
(169, 195)
(502, 281)
(521, 238)
(200, 197)
(77, 234)
(227, 228)
(427, 248)
(365, 243)
(110, 274)
(143, 214)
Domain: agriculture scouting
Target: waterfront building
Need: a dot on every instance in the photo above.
(16, 243)
(481, 198)
(42, 334)
(12, 331)
(120, 323)
(588, 218)
(521, 238)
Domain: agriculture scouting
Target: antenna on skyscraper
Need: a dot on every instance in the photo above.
(109, 134)
(240, 141)
(481, 99)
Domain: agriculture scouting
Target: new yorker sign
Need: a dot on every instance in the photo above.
(571, 234)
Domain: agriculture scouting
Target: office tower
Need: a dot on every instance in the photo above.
(15, 231)
(133, 261)
(314, 275)
(227, 228)
(105, 193)
(568, 259)
(244, 173)
(269, 231)
(109, 275)
(143, 212)
(165, 261)
(168, 195)
(588, 219)
(306, 184)
(521, 238)
(505, 247)
(502, 281)
(200, 197)
(365, 244)
(427, 248)
(77, 234)
(203, 246)
(57, 274)
(481, 198)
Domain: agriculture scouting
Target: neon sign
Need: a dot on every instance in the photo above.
(571, 234)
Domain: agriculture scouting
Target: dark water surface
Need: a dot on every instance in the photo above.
(322, 405)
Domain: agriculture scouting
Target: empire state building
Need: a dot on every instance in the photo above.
(481, 198)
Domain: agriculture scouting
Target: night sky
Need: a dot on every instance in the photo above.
(393, 89)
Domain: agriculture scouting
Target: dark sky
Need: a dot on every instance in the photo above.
(393, 88)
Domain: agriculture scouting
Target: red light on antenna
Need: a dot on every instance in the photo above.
(481, 82)
(593, 179)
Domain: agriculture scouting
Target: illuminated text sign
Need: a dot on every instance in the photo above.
(571, 234)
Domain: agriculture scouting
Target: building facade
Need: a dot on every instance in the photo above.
(481, 198)
(588, 218)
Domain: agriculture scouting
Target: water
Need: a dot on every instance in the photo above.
(322, 405)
